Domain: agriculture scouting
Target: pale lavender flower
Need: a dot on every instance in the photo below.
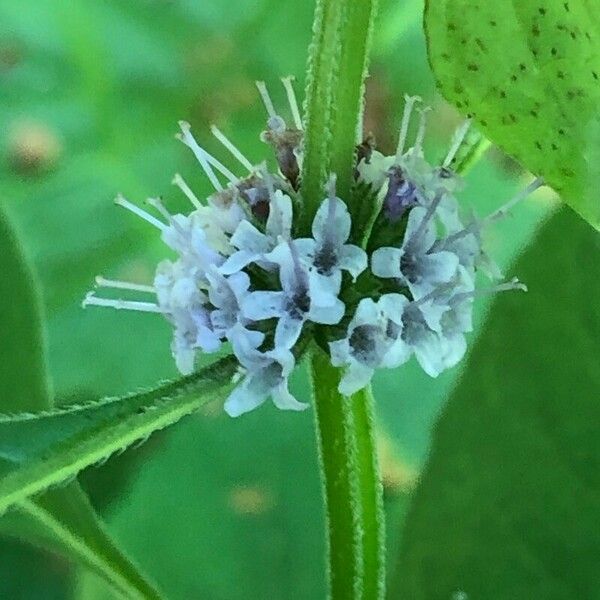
(266, 374)
(327, 254)
(373, 340)
(416, 264)
(293, 305)
(253, 245)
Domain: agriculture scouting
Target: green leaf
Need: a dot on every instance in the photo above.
(62, 519)
(55, 446)
(22, 347)
(508, 505)
(529, 74)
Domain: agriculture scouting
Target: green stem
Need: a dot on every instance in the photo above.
(323, 58)
(347, 115)
(371, 495)
(333, 110)
(352, 487)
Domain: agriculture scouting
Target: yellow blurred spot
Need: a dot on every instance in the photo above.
(396, 474)
(251, 500)
(33, 147)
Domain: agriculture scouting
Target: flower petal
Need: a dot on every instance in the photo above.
(398, 353)
(327, 315)
(287, 331)
(332, 223)
(237, 261)
(279, 222)
(353, 259)
(324, 289)
(417, 239)
(356, 377)
(247, 237)
(385, 262)
(264, 305)
(247, 396)
(429, 353)
(339, 351)
(284, 400)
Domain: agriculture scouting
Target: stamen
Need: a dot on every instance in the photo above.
(231, 147)
(92, 300)
(426, 218)
(433, 295)
(506, 208)
(121, 201)
(264, 94)
(188, 139)
(160, 207)
(123, 285)
(291, 94)
(421, 131)
(219, 166)
(513, 284)
(457, 139)
(476, 225)
(409, 102)
(185, 188)
(473, 228)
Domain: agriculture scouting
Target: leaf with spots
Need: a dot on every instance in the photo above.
(508, 505)
(528, 72)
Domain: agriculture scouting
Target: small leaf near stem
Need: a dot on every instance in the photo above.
(352, 486)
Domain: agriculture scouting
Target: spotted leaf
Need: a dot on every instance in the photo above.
(528, 72)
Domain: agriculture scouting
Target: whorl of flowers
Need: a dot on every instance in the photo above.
(371, 293)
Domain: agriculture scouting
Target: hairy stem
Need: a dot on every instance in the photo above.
(348, 111)
(337, 63)
(352, 487)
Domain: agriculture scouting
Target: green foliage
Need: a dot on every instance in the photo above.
(508, 504)
(55, 446)
(22, 347)
(109, 81)
(529, 74)
(63, 519)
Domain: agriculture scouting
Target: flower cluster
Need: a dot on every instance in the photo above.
(244, 274)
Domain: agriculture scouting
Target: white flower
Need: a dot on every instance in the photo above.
(434, 327)
(373, 340)
(187, 235)
(425, 342)
(252, 245)
(327, 254)
(374, 171)
(185, 305)
(293, 305)
(226, 295)
(266, 375)
(416, 264)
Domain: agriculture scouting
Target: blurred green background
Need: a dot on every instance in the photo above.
(90, 95)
